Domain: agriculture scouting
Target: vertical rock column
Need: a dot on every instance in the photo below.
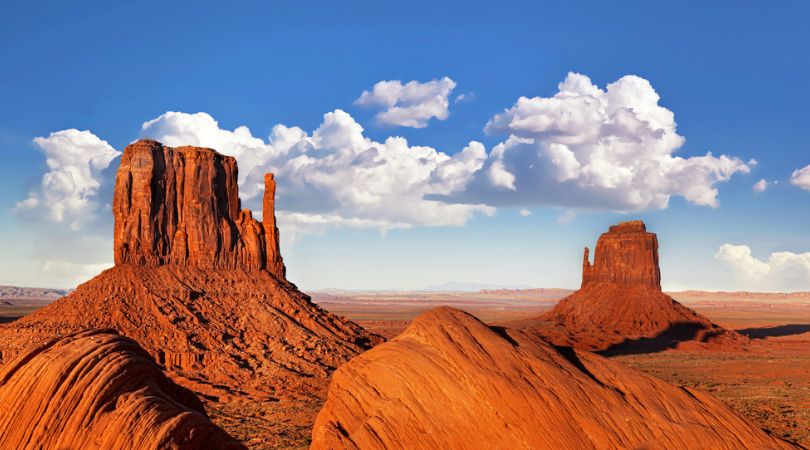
(274, 263)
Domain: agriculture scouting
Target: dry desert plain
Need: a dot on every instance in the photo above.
(769, 382)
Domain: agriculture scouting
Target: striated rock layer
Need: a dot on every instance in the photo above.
(451, 382)
(621, 302)
(97, 389)
(181, 206)
(627, 255)
(200, 284)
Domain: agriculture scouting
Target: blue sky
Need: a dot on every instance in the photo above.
(733, 73)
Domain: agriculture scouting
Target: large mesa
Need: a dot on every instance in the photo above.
(200, 284)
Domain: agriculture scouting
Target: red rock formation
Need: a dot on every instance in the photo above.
(626, 255)
(96, 389)
(449, 381)
(273, 262)
(621, 301)
(200, 284)
(181, 206)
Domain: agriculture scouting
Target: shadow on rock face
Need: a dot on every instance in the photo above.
(780, 330)
(667, 339)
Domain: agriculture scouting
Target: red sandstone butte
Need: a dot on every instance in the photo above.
(200, 284)
(621, 302)
(181, 206)
(99, 390)
(449, 381)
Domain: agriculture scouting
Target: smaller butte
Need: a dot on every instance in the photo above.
(620, 306)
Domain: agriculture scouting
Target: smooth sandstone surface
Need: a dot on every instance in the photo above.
(451, 382)
(99, 390)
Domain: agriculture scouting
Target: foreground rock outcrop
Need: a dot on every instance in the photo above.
(97, 389)
(450, 381)
(200, 284)
(621, 303)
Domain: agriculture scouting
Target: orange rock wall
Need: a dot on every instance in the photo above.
(181, 206)
(626, 255)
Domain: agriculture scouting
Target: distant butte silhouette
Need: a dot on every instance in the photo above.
(96, 389)
(620, 306)
(450, 382)
(200, 284)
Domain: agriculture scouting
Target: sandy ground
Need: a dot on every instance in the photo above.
(768, 382)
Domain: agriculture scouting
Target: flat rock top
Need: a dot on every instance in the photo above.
(633, 226)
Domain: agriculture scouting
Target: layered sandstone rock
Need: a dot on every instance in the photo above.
(200, 284)
(99, 390)
(451, 382)
(620, 302)
(181, 206)
(626, 255)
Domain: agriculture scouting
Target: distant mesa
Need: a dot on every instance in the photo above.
(97, 389)
(200, 284)
(449, 381)
(620, 305)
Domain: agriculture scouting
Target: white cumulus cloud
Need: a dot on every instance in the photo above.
(783, 271)
(761, 185)
(412, 104)
(801, 178)
(335, 175)
(68, 190)
(587, 147)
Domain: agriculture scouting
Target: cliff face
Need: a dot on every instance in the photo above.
(449, 381)
(181, 206)
(96, 389)
(626, 255)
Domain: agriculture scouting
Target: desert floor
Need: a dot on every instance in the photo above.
(768, 381)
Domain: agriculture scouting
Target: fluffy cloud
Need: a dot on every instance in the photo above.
(783, 271)
(68, 274)
(68, 190)
(411, 104)
(586, 147)
(336, 175)
(761, 185)
(801, 178)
